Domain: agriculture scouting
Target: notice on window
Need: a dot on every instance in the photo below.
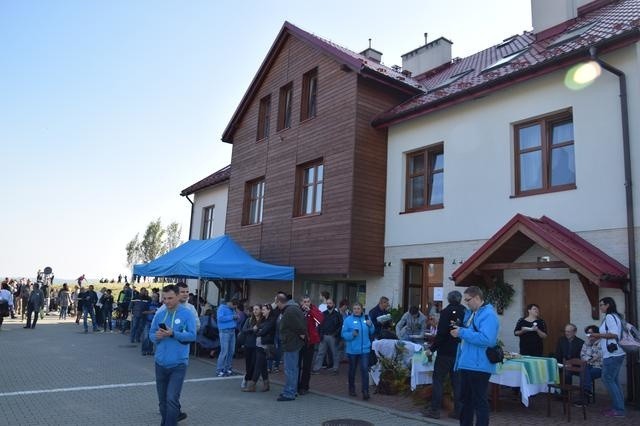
(437, 294)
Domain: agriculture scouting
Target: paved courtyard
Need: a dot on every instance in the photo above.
(57, 375)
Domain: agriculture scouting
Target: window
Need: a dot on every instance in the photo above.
(425, 178)
(264, 117)
(544, 160)
(309, 182)
(308, 108)
(421, 279)
(284, 107)
(253, 202)
(207, 222)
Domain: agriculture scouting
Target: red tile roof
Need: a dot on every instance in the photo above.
(610, 27)
(354, 61)
(521, 232)
(220, 176)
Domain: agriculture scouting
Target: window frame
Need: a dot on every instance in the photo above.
(285, 107)
(429, 152)
(309, 99)
(249, 199)
(546, 123)
(264, 118)
(301, 184)
(207, 223)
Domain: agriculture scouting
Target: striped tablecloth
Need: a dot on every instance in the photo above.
(530, 374)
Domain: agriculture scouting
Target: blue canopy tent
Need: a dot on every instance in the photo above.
(218, 258)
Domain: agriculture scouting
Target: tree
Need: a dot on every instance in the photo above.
(173, 232)
(152, 244)
(133, 251)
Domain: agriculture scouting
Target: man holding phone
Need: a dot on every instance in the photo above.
(171, 330)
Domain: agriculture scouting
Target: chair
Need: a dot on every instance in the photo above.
(570, 367)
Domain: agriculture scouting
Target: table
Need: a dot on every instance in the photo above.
(530, 374)
(387, 348)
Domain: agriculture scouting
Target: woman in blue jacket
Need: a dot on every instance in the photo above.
(357, 330)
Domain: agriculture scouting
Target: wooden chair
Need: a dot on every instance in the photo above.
(570, 367)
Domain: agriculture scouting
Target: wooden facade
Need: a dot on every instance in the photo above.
(347, 237)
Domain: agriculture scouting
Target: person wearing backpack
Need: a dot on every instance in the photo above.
(612, 355)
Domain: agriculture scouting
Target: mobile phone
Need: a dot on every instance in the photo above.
(162, 326)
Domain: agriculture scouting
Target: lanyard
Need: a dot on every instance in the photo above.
(173, 317)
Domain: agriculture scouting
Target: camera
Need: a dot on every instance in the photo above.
(612, 347)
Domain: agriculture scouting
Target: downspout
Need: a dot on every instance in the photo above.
(631, 299)
(191, 217)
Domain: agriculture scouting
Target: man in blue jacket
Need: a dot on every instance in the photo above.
(172, 330)
(227, 318)
(479, 330)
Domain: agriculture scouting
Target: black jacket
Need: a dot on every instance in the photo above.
(444, 343)
(332, 324)
(267, 330)
(568, 350)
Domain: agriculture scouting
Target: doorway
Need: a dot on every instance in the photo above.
(552, 296)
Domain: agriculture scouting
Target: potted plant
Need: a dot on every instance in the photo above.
(500, 295)
(394, 375)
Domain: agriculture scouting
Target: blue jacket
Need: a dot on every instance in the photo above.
(472, 349)
(225, 317)
(174, 350)
(360, 344)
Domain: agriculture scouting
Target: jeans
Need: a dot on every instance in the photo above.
(610, 371)
(137, 325)
(291, 371)
(327, 342)
(474, 386)
(63, 312)
(108, 317)
(360, 361)
(32, 310)
(147, 344)
(277, 354)
(444, 366)
(590, 373)
(88, 310)
(169, 385)
(227, 347)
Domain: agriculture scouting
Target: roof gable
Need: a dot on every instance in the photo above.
(352, 60)
(522, 232)
(220, 176)
(519, 58)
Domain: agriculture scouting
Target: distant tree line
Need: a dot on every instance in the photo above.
(155, 242)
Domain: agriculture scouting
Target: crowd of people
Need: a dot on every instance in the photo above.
(305, 338)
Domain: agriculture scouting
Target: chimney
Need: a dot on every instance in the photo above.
(427, 57)
(547, 14)
(372, 54)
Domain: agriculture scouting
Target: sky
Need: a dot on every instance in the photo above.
(109, 109)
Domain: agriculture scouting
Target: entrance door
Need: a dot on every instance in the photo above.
(553, 298)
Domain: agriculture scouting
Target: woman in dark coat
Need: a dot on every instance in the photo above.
(265, 334)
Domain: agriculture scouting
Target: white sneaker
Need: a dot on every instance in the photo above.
(243, 385)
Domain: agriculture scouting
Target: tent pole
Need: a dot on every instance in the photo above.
(292, 281)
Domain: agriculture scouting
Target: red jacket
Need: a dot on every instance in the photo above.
(314, 318)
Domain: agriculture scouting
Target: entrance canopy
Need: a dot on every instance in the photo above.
(220, 258)
(593, 266)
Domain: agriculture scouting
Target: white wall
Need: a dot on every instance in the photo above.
(478, 151)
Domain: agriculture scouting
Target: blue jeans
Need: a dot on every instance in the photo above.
(227, 348)
(169, 385)
(590, 373)
(137, 325)
(88, 310)
(610, 371)
(361, 362)
(277, 354)
(291, 371)
(147, 344)
(108, 317)
(474, 386)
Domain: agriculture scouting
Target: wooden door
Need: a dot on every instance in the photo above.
(552, 296)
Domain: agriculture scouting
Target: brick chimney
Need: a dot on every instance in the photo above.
(427, 57)
(546, 14)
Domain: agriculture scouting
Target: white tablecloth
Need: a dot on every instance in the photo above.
(387, 348)
(514, 374)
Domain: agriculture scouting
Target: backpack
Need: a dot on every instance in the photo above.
(629, 337)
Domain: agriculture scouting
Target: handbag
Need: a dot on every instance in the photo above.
(495, 354)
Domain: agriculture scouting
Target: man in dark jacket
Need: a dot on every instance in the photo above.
(35, 303)
(329, 335)
(446, 346)
(569, 347)
(293, 332)
(382, 308)
(89, 300)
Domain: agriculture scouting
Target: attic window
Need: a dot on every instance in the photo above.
(450, 80)
(506, 41)
(571, 35)
(505, 60)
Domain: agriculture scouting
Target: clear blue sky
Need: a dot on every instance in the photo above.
(109, 109)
